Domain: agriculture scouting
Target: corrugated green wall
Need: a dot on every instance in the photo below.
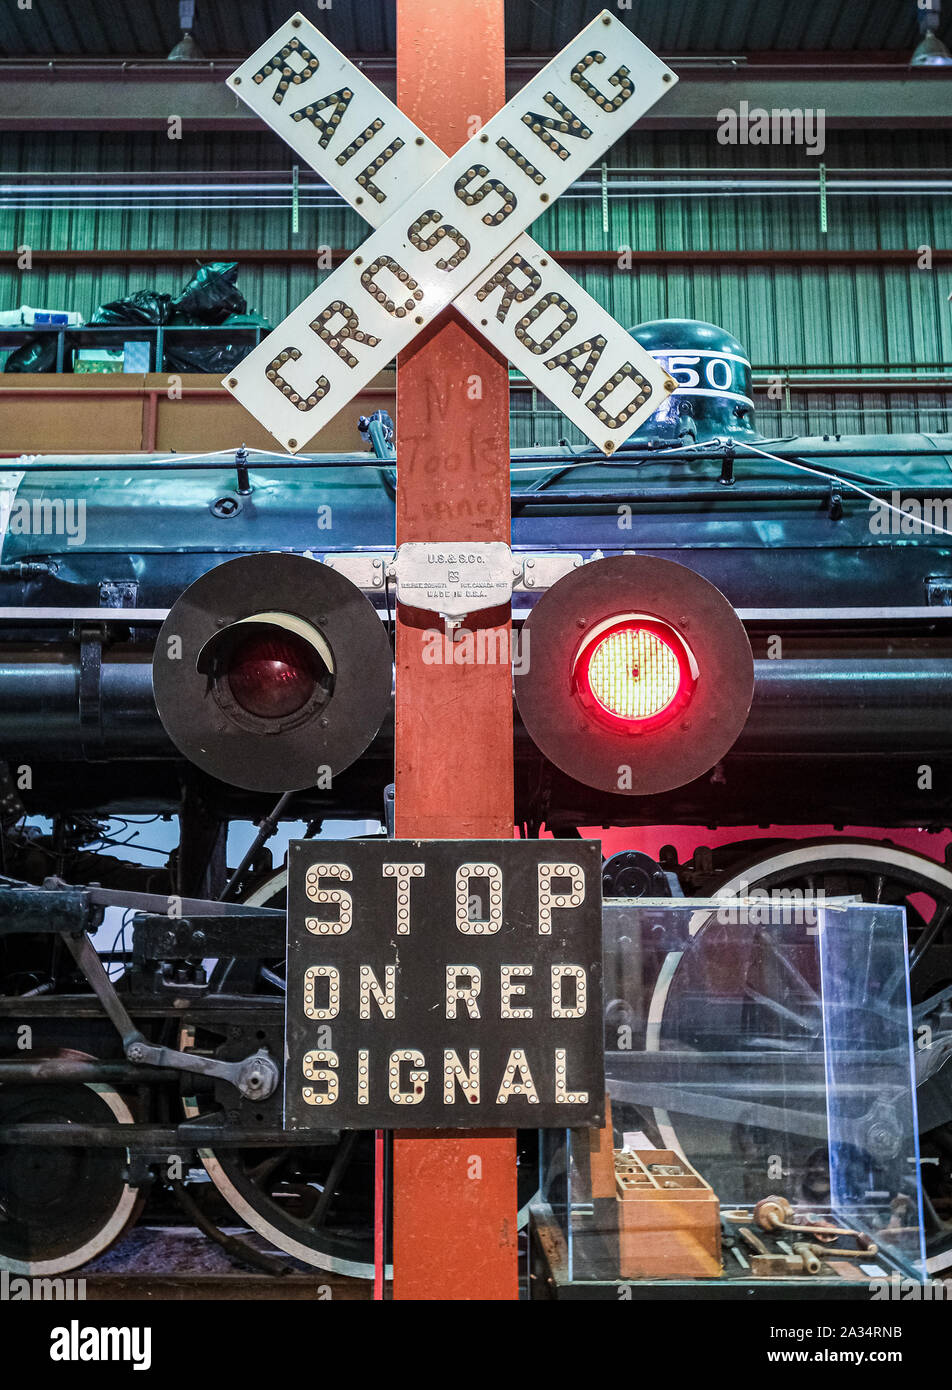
(790, 316)
(787, 315)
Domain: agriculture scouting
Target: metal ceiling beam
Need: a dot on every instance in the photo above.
(300, 255)
(142, 96)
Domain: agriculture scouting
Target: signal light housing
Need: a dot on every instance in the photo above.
(640, 675)
(271, 671)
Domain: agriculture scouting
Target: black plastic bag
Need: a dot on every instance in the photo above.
(144, 308)
(215, 358)
(211, 295)
(36, 355)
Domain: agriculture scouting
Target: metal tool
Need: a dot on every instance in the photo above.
(834, 1252)
(754, 1241)
(774, 1213)
(763, 1266)
(807, 1253)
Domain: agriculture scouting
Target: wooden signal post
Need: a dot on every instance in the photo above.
(454, 1206)
(454, 1195)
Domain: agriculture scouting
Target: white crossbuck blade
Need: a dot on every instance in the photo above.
(448, 232)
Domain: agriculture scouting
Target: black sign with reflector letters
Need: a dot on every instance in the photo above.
(444, 984)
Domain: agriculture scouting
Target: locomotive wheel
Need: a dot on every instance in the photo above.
(278, 1192)
(876, 872)
(873, 870)
(60, 1207)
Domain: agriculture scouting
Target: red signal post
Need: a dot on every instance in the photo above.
(454, 1196)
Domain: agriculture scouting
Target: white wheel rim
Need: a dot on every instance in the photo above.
(260, 898)
(239, 1204)
(113, 1228)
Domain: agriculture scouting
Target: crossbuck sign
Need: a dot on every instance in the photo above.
(451, 231)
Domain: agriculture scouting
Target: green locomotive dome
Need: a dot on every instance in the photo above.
(714, 396)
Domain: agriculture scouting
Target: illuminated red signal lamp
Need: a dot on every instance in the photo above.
(640, 675)
(634, 673)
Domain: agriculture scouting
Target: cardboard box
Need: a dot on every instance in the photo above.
(88, 361)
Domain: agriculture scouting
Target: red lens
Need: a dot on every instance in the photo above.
(273, 674)
(635, 674)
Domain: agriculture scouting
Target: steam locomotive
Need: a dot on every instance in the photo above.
(209, 639)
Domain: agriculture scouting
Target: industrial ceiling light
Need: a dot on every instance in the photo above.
(930, 51)
(186, 50)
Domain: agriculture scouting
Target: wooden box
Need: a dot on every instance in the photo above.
(669, 1224)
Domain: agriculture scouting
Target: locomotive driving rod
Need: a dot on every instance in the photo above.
(61, 1071)
(256, 1077)
(173, 1138)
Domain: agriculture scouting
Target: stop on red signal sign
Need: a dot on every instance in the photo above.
(444, 983)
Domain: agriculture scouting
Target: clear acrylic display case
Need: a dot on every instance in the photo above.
(759, 1065)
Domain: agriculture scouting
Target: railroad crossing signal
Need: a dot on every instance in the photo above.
(451, 231)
